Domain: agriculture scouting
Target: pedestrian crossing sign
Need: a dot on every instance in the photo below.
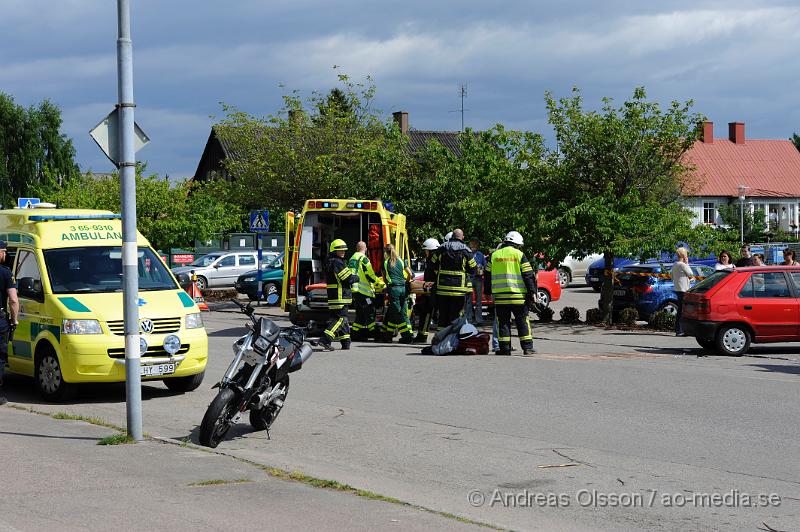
(259, 221)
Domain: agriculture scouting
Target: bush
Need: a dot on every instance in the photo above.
(570, 315)
(594, 315)
(546, 315)
(629, 316)
(663, 321)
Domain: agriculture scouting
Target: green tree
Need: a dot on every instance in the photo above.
(618, 181)
(796, 139)
(168, 214)
(32, 148)
(325, 146)
(754, 224)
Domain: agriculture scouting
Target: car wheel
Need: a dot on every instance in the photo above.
(670, 307)
(544, 297)
(733, 340)
(185, 384)
(50, 380)
(564, 278)
(711, 345)
(202, 283)
(271, 294)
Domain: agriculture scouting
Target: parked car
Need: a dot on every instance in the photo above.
(732, 309)
(220, 269)
(271, 277)
(642, 287)
(572, 268)
(595, 276)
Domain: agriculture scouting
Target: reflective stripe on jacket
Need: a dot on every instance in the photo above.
(454, 266)
(339, 278)
(513, 277)
(361, 265)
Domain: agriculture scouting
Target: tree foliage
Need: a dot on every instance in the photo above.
(796, 140)
(618, 181)
(168, 214)
(32, 148)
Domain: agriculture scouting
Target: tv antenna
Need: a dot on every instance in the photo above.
(462, 92)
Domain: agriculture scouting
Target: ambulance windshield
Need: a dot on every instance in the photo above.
(99, 269)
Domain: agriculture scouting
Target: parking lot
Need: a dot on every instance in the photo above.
(596, 411)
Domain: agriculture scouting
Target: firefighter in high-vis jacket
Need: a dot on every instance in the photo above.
(339, 277)
(452, 264)
(363, 294)
(513, 288)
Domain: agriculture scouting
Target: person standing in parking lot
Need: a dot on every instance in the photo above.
(746, 258)
(724, 261)
(363, 294)
(425, 305)
(452, 263)
(9, 312)
(339, 277)
(474, 311)
(681, 274)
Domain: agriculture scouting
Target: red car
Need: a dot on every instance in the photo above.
(731, 309)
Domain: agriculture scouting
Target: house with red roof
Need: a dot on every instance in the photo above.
(765, 173)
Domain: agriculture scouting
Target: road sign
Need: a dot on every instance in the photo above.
(105, 135)
(259, 221)
(27, 203)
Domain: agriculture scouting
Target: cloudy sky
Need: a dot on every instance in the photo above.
(737, 59)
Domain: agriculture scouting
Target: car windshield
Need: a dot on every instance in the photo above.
(272, 262)
(99, 269)
(710, 282)
(205, 260)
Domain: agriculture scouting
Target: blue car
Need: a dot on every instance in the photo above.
(642, 287)
(594, 275)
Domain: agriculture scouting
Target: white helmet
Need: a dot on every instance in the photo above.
(448, 236)
(513, 237)
(430, 244)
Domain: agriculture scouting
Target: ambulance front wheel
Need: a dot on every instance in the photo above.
(49, 377)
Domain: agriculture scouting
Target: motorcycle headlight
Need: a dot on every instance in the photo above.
(172, 344)
(261, 344)
(194, 321)
(81, 327)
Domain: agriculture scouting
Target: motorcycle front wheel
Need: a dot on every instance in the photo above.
(218, 417)
(264, 418)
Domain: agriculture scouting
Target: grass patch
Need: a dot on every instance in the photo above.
(87, 419)
(219, 482)
(116, 439)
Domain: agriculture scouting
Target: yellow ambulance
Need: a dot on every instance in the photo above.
(68, 267)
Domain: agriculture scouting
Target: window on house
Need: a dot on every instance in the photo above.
(709, 212)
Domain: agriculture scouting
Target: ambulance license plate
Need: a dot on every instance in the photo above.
(157, 369)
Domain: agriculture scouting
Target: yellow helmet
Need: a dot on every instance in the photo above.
(338, 245)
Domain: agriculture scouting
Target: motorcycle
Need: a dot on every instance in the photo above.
(258, 377)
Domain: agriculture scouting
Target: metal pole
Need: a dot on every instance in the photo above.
(130, 273)
(741, 221)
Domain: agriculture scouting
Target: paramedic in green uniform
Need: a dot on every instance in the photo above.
(396, 319)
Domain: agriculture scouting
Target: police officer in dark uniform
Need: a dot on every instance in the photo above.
(9, 310)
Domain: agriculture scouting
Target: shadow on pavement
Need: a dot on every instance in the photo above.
(238, 431)
(231, 332)
(791, 369)
(21, 390)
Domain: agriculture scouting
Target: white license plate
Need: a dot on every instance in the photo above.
(620, 292)
(158, 369)
(594, 279)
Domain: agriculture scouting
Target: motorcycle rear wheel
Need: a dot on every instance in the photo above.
(264, 418)
(217, 420)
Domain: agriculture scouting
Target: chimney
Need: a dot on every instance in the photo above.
(401, 119)
(708, 132)
(736, 132)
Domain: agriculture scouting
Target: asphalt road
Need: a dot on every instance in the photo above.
(616, 430)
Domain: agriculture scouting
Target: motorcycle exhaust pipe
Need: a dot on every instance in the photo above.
(303, 354)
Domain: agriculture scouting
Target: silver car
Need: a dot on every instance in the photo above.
(572, 268)
(221, 268)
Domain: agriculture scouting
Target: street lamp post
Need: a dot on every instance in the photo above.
(742, 189)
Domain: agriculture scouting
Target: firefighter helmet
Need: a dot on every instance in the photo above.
(338, 245)
(514, 238)
(430, 244)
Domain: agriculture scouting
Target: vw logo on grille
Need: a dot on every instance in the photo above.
(146, 326)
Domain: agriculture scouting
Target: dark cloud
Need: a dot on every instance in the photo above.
(736, 59)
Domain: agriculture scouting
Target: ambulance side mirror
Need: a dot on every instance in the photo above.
(30, 288)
